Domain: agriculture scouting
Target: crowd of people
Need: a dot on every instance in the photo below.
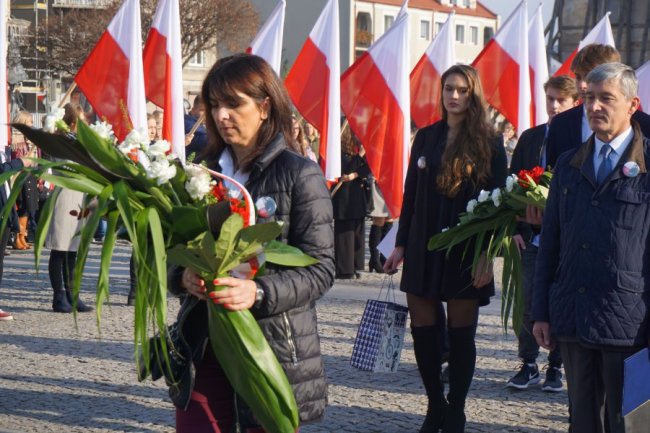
(584, 258)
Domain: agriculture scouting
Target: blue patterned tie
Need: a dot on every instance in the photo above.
(606, 165)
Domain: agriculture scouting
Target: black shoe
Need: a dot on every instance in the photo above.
(81, 307)
(434, 420)
(528, 375)
(60, 303)
(454, 421)
(553, 381)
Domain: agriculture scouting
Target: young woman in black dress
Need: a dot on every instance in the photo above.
(451, 162)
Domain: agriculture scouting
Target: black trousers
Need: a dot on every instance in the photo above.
(349, 246)
(595, 384)
(4, 239)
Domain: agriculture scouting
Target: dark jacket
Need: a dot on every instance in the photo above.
(426, 212)
(565, 132)
(350, 200)
(287, 315)
(526, 156)
(592, 277)
(7, 166)
(200, 139)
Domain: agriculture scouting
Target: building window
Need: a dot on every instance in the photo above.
(363, 33)
(425, 29)
(473, 35)
(439, 27)
(198, 59)
(488, 32)
(388, 21)
(460, 34)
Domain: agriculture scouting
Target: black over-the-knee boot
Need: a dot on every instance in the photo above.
(426, 345)
(462, 360)
(374, 237)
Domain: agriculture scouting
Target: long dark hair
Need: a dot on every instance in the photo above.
(468, 157)
(254, 77)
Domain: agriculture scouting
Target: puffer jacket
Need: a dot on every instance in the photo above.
(287, 315)
(592, 276)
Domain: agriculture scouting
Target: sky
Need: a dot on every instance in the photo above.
(505, 7)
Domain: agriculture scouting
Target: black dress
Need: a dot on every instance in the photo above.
(425, 212)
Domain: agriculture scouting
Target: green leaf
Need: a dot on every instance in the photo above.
(282, 254)
(11, 200)
(105, 154)
(108, 248)
(43, 225)
(189, 221)
(86, 186)
(226, 243)
(252, 368)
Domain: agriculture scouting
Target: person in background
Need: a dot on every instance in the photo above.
(298, 134)
(561, 95)
(152, 128)
(381, 225)
(197, 142)
(7, 165)
(591, 294)
(509, 138)
(313, 138)
(349, 198)
(158, 116)
(27, 202)
(249, 120)
(451, 161)
(62, 238)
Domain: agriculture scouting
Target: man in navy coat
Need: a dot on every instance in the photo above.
(592, 277)
(570, 129)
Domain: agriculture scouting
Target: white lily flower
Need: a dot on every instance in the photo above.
(159, 149)
(483, 196)
(510, 182)
(471, 205)
(161, 170)
(56, 115)
(496, 197)
(199, 182)
(104, 130)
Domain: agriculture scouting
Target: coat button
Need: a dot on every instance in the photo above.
(594, 203)
(585, 246)
(582, 290)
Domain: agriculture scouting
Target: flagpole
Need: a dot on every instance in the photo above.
(67, 94)
(197, 124)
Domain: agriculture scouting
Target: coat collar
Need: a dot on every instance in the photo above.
(582, 160)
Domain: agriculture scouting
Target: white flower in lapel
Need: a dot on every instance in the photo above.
(422, 162)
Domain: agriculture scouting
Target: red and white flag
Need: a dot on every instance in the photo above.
(111, 77)
(425, 77)
(4, 106)
(314, 84)
(600, 34)
(375, 99)
(538, 66)
(643, 75)
(163, 72)
(503, 68)
(268, 41)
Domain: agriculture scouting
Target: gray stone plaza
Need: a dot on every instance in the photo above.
(55, 377)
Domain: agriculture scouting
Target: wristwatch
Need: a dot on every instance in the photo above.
(259, 296)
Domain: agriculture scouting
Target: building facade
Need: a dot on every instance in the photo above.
(364, 21)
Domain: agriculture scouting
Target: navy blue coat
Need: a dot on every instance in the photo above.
(592, 277)
(565, 132)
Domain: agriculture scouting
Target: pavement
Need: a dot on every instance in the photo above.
(60, 376)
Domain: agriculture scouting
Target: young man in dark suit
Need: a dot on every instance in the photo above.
(571, 128)
(561, 95)
(591, 293)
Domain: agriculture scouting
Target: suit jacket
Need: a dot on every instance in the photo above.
(565, 132)
(592, 275)
(527, 152)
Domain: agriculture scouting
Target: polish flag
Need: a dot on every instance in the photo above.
(268, 41)
(163, 78)
(503, 68)
(425, 77)
(600, 34)
(375, 99)
(4, 110)
(112, 78)
(538, 66)
(314, 84)
(643, 75)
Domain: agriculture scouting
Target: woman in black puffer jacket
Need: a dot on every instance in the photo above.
(249, 123)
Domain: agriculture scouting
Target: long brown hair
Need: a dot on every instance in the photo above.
(254, 77)
(468, 156)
